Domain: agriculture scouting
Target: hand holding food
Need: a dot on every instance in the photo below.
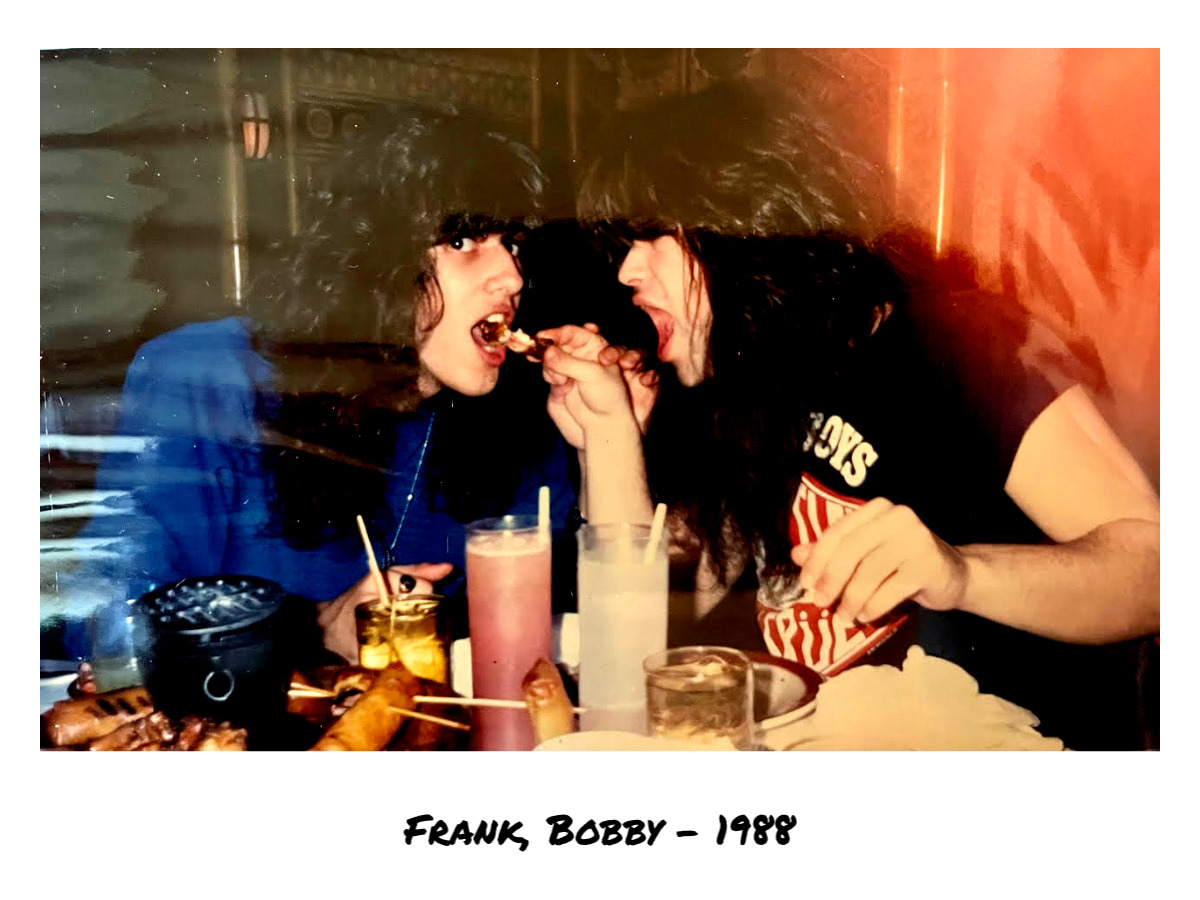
(641, 381)
(584, 393)
(877, 556)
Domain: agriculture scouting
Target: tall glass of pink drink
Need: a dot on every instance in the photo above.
(508, 607)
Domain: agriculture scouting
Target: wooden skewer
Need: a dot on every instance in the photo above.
(307, 690)
(438, 720)
(482, 701)
(380, 584)
(304, 690)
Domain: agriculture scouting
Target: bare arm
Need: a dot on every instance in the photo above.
(1097, 589)
(614, 487)
(1072, 477)
(591, 403)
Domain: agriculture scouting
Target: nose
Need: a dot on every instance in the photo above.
(633, 267)
(503, 276)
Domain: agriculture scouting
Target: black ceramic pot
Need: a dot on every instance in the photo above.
(225, 647)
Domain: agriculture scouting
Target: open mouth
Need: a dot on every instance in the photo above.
(663, 324)
(492, 331)
(489, 335)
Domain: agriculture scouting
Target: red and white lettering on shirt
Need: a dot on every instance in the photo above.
(805, 632)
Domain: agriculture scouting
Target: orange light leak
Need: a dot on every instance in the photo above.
(896, 133)
(945, 139)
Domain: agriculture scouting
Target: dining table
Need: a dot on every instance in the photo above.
(916, 702)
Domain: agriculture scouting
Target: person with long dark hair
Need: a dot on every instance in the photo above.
(359, 383)
(855, 420)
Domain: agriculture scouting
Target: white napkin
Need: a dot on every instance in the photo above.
(929, 704)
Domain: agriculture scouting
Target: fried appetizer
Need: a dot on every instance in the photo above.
(373, 721)
(546, 699)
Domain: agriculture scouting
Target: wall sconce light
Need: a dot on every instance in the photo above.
(256, 125)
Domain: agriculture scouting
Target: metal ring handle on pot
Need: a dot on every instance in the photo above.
(228, 693)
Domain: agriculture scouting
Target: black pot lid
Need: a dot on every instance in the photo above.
(211, 604)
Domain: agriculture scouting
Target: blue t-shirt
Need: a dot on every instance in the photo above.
(195, 500)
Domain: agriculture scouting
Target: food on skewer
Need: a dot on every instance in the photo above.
(79, 721)
(339, 688)
(495, 330)
(550, 709)
(372, 722)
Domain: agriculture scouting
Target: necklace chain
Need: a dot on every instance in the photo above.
(389, 559)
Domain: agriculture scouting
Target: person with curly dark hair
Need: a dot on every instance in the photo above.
(853, 419)
(359, 383)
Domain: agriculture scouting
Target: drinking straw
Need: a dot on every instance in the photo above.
(544, 510)
(380, 584)
(656, 527)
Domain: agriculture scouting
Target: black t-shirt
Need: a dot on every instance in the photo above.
(929, 413)
(940, 400)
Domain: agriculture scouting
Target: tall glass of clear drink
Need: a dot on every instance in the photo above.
(622, 620)
(701, 694)
(508, 610)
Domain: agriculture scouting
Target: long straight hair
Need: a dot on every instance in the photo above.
(772, 212)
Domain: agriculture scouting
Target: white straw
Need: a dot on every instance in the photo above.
(544, 510)
(656, 527)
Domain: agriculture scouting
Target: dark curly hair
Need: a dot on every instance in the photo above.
(336, 312)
